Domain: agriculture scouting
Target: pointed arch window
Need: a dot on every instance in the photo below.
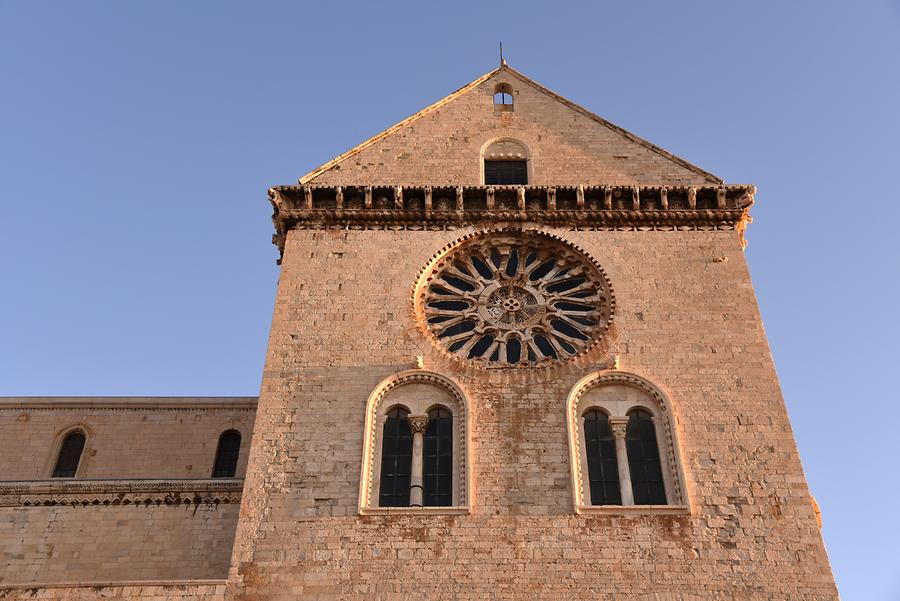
(396, 459)
(600, 448)
(227, 453)
(437, 472)
(647, 482)
(69, 455)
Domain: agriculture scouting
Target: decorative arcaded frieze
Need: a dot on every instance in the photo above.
(448, 207)
(35, 493)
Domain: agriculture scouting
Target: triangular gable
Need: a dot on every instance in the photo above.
(442, 143)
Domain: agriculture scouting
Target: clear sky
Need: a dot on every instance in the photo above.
(137, 141)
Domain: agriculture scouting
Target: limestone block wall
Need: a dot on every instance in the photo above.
(134, 437)
(686, 319)
(208, 591)
(90, 544)
(565, 147)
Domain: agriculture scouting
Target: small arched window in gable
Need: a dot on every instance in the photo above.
(503, 97)
(396, 459)
(647, 482)
(437, 469)
(227, 454)
(69, 455)
(603, 470)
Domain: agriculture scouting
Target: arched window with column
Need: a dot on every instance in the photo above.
(416, 447)
(622, 446)
(228, 452)
(69, 457)
(396, 459)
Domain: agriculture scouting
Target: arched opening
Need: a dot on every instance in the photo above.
(437, 472)
(227, 453)
(69, 455)
(505, 163)
(600, 448)
(503, 97)
(647, 482)
(396, 459)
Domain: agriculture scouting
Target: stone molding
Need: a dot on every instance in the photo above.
(614, 207)
(367, 476)
(58, 492)
(678, 494)
(128, 403)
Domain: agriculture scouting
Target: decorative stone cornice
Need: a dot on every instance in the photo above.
(128, 403)
(35, 493)
(625, 207)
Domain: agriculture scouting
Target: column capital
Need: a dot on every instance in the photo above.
(418, 423)
(619, 426)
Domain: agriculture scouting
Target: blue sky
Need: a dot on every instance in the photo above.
(137, 141)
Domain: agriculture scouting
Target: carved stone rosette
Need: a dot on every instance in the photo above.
(514, 298)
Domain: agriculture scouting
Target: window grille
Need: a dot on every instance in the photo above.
(396, 460)
(437, 469)
(603, 471)
(643, 460)
(505, 172)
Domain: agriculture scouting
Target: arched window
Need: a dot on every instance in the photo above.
(600, 448)
(505, 163)
(503, 97)
(69, 455)
(416, 448)
(623, 446)
(437, 469)
(227, 454)
(396, 459)
(643, 460)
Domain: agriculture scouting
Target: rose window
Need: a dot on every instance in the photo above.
(515, 299)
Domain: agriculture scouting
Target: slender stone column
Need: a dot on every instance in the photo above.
(417, 423)
(619, 426)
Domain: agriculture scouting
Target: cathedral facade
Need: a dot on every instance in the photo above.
(515, 354)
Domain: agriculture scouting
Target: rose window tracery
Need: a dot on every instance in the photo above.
(514, 299)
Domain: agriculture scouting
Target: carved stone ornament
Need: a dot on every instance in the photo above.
(513, 298)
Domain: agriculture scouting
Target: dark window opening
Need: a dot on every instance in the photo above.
(227, 454)
(69, 455)
(396, 460)
(437, 459)
(643, 460)
(603, 471)
(505, 172)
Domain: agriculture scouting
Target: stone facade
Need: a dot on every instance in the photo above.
(360, 238)
(142, 508)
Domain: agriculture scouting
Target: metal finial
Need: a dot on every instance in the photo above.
(502, 60)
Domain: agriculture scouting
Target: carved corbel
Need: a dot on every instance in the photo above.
(579, 197)
(664, 198)
(459, 198)
(307, 196)
(607, 198)
(339, 198)
(692, 198)
(521, 198)
(428, 199)
(490, 198)
(368, 197)
(551, 199)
